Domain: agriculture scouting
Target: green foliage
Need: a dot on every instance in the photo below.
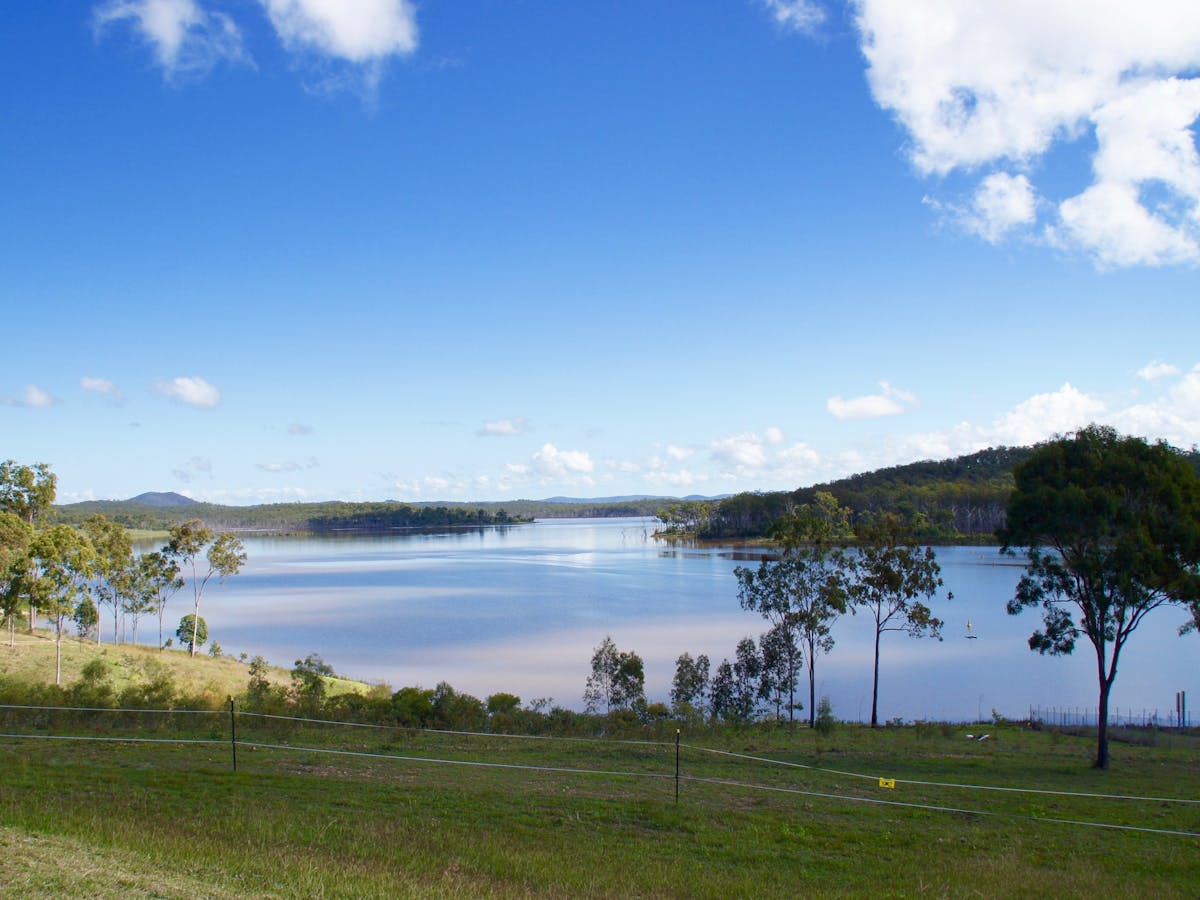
(617, 680)
(27, 491)
(689, 688)
(825, 720)
(308, 681)
(413, 707)
(457, 711)
(86, 617)
(801, 594)
(1110, 526)
(225, 557)
(192, 632)
(502, 703)
(892, 577)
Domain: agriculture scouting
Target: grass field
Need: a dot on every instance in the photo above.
(374, 815)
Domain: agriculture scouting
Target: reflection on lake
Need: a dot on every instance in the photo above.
(520, 609)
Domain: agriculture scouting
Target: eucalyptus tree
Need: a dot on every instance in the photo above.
(63, 562)
(617, 681)
(114, 555)
(1110, 527)
(777, 679)
(803, 592)
(893, 577)
(15, 535)
(158, 575)
(27, 491)
(225, 557)
(690, 685)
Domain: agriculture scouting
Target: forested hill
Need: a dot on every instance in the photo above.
(954, 500)
(283, 518)
(959, 499)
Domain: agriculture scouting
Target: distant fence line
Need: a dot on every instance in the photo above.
(1068, 716)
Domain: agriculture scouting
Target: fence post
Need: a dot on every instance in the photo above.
(233, 731)
(676, 765)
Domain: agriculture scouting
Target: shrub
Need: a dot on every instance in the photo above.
(825, 718)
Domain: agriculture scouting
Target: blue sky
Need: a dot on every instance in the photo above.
(274, 250)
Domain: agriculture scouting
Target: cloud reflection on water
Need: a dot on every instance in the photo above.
(521, 610)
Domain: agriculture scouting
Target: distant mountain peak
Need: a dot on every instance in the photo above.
(161, 498)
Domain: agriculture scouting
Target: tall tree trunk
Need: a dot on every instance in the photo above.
(58, 654)
(875, 685)
(812, 689)
(1102, 726)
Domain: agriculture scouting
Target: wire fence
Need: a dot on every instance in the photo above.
(281, 743)
(1089, 717)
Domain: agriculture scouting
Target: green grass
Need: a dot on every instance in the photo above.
(109, 819)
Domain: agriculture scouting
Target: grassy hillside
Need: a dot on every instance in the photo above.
(131, 666)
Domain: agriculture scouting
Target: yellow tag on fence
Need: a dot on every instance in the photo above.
(889, 783)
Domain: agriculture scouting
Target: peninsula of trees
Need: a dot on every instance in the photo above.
(283, 518)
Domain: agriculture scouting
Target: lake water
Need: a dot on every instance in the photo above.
(520, 609)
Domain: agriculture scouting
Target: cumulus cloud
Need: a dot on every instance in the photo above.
(744, 450)
(892, 401)
(185, 38)
(748, 455)
(1002, 203)
(988, 89)
(678, 453)
(551, 463)
(1156, 369)
(795, 15)
(361, 33)
(192, 390)
(103, 386)
(504, 427)
(32, 397)
(1045, 415)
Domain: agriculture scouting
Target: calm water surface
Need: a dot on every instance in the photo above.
(520, 609)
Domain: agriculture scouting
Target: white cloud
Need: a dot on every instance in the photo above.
(795, 15)
(504, 427)
(300, 430)
(891, 402)
(1156, 369)
(185, 38)
(740, 451)
(749, 456)
(190, 390)
(678, 453)
(33, 397)
(289, 466)
(551, 462)
(1002, 203)
(996, 86)
(1045, 415)
(102, 386)
(362, 33)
